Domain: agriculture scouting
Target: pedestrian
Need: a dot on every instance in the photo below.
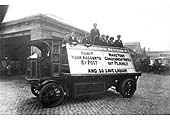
(9, 72)
(72, 39)
(100, 42)
(118, 42)
(94, 34)
(66, 39)
(107, 40)
(87, 41)
(111, 42)
(157, 66)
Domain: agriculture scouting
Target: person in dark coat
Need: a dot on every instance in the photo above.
(72, 39)
(94, 34)
(107, 40)
(111, 42)
(101, 40)
(118, 42)
(87, 40)
(9, 71)
(66, 39)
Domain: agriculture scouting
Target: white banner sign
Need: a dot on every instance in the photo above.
(99, 60)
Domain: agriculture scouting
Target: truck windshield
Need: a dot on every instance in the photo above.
(35, 52)
(39, 50)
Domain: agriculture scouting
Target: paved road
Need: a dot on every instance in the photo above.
(152, 97)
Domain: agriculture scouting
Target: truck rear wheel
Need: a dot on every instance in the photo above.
(51, 95)
(128, 88)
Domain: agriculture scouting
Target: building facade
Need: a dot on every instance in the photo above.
(15, 35)
(135, 46)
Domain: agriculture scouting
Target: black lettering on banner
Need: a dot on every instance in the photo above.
(86, 53)
(109, 70)
(88, 62)
(91, 58)
(92, 71)
(121, 63)
(117, 50)
(110, 63)
(120, 70)
(92, 62)
(118, 59)
(83, 62)
(76, 57)
(101, 70)
(116, 55)
(115, 70)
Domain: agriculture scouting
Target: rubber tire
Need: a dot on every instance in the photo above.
(33, 90)
(122, 88)
(55, 102)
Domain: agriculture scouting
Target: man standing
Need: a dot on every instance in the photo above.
(94, 34)
(118, 42)
(8, 67)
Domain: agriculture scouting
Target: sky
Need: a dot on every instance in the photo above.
(144, 21)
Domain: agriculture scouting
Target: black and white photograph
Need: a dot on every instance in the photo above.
(85, 57)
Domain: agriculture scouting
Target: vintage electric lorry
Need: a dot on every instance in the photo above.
(55, 71)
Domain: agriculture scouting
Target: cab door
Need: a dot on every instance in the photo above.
(56, 58)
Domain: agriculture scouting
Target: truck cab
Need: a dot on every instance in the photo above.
(55, 70)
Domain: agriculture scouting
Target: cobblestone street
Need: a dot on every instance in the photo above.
(152, 97)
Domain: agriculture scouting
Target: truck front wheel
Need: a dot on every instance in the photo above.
(128, 88)
(35, 91)
(51, 95)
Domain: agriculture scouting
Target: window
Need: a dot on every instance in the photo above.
(56, 48)
(56, 58)
(35, 52)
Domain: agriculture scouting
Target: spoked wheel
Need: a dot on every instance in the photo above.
(51, 95)
(35, 91)
(128, 88)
